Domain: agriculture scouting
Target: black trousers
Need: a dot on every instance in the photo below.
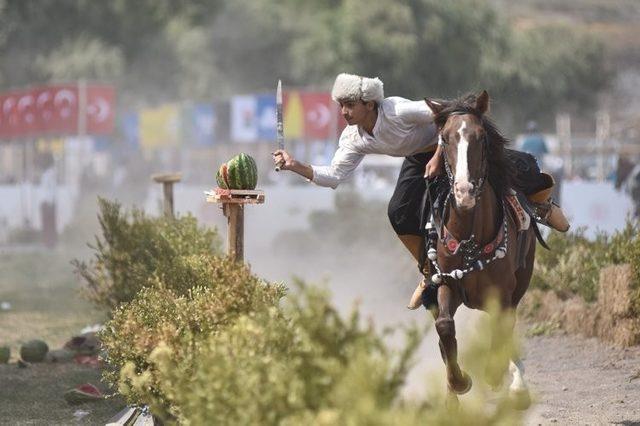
(405, 206)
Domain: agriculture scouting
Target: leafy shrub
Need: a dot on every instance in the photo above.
(223, 290)
(301, 363)
(135, 248)
(573, 264)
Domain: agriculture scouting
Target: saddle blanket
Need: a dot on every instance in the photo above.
(522, 218)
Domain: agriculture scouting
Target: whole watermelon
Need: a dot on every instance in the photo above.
(242, 172)
(34, 351)
(5, 354)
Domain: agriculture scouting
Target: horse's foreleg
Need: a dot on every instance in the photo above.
(451, 401)
(448, 303)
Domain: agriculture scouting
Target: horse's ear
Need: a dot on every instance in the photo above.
(435, 106)
(482, 103)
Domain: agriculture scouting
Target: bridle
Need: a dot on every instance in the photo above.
(478, 184)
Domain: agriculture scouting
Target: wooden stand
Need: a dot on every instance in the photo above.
(167, 181)
(233, 202)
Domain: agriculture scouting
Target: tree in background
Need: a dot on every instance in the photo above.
(159, 50)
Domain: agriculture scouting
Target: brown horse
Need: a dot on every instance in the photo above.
(479, 250)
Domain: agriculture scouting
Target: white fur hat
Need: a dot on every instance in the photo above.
(354, 87)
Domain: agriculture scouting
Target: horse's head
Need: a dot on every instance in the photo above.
(463, 138)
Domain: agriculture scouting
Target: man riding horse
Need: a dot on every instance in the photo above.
(404, 128)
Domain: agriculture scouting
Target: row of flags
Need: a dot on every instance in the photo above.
(241, 119)
(56, 110)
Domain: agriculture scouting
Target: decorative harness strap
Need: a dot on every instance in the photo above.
(454, 246)
(469, 249)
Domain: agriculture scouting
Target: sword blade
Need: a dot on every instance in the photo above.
(279, 121)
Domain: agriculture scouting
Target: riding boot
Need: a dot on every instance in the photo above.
(547, 211)
(416, 297)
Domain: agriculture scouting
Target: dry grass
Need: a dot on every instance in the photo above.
(611, 317)
(615, 289)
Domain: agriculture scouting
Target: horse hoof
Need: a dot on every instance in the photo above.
(452, 403)
(465, 386)
(520, 398)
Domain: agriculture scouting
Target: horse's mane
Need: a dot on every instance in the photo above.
(501, 173)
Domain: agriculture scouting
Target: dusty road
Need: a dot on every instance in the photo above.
(580, 381)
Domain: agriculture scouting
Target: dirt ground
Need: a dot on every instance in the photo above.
(573, 380)
(579, 381)
(34, 395)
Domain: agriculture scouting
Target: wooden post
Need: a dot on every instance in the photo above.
(603, 133)
(563, 130)
(235, 226)
(233, 202)
(167, 181)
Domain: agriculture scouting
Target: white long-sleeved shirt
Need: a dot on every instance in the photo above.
(403, 128)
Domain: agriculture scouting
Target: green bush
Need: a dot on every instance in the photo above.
(223, 290)
(135, 248)
(572, 266)
(300, 363)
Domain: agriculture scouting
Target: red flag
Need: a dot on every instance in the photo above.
(318, 115)
(55, 110)
(100, 109)
(26, 112)
(44, 108)
(64, 119)
(9, 120)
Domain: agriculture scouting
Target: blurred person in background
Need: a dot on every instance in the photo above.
(402, 128)
(534, 142)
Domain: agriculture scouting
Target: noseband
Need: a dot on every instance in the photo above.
(478, 184)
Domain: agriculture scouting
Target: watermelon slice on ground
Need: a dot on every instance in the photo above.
(83, 393)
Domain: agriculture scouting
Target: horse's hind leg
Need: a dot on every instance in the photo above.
(518, 390)
(448, 302)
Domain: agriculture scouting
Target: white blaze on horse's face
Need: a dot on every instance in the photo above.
(462, 187)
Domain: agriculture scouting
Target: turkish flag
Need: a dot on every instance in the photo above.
(26, 113)
(318, 115)
(64, 107)
(54, 110)
(100, 109)
(9, 119)
(44, 110)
